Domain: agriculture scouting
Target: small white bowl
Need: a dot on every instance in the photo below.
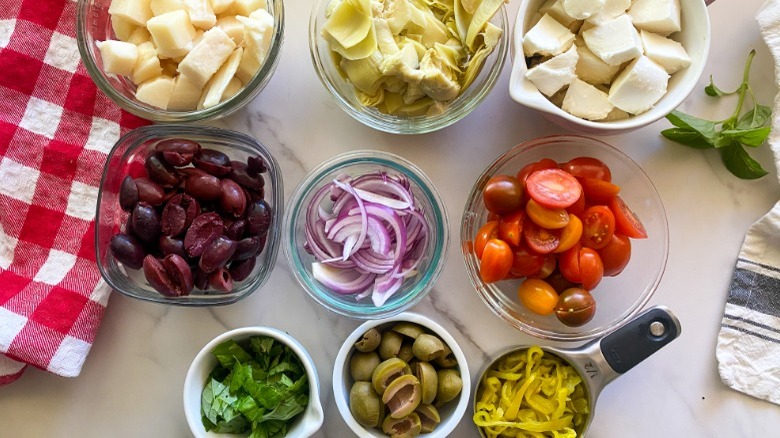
(694, 36)
(451, 414)
(304, 425)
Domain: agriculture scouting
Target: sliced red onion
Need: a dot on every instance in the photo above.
(341, 281)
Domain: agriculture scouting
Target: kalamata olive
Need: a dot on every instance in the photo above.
(386, 372)
(427, 347)
(128, 194)
(149, 191)
(201, 278)
(216, 254)
(362, 365)
(241, 270)
(160, 171)
(254, 195)
(221, 280)
(204, 229)
(258, 217)
(171, 277)
(212, 161)
(255, 165)
(178, 151)
(129, 225)
(246, 248)
(235, 230)
(232, 201)
(178, 214)
(365, 405)
(406, 427)
(172, 245)
(201, 185)
(127, 250)
(402, 396)
(450, 385)
(369, 341)
(146, 222)
(576, 306)
(241, 175)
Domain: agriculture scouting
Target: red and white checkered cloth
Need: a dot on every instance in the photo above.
(55, 131)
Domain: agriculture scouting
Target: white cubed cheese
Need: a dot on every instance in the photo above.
(232, 27)
(118, 56)
(207, 56)
(615, 115)
(220, 6)
(667, 53)
(221, 79)
(139, 36)
(547, 38)
(555, 73)
(186, 94)
(246, 7)
(584, 100)
(148, 64)
(234, 86)
(156, 91)
(639, 86)
(172, 33)
(258, 32)
(137, 12)
(160, 7)
(615, 41)
(555, 9)
(169, 67)
(657, 16)
(590, 68)
(201, 14)
(122, 27)
(612, 9)
(582, 9)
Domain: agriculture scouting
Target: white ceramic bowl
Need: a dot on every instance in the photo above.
(304, 425)
(694, 36)
(450, 414)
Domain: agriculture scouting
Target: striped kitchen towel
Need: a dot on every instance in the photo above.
(748, 348)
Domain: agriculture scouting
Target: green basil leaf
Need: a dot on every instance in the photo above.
(704, 127)
(755, 118)
(714, 91)
(687, 137)
(739, 163)
(749, 137)
(229, 352)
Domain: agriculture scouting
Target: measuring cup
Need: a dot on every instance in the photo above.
(601, 361)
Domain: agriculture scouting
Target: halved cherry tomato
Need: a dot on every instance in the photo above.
(591, 268)
(598, 226)
(626, 221)
(598, 191)
(558, 281)
(615, 255)
(569, 263)
(553, 188)
(502, 194)
(588, 167)
(486, 232)
(544, 163)
(540, 240)
(510, 227)
(496, 261)
(537, 296)
(549, 265)
(578, 207)
(525, 263)
(570, 234)
(550, 218)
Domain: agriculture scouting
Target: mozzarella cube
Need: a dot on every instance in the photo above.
(122, 27)
(137, 12)
(547, 38)
(258, 32)
(156, 92)
(185, 95)
(201, 14)
(246, 7)
(584, 100)
(232, 27)
(207, 56)
(555, 73)
(148, 64)
(615, 41)
(615, 115)
(555, 9)
(160, 7)
(612, 9)
(139, 36)
(590, 68)
(220, 6)
(666, 52)
(118, 56)
(657, 16)
(172, 33)
(222, 78)
(639, 86)
(582, 9)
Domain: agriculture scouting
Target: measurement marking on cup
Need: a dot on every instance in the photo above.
(591, 370)
(615, 355)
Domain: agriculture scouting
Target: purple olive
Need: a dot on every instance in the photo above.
(127, 250)
(221, 280)
(201, 185)
(212, 161)
(247, 248)
(235, 230)
(216, 254)
(128, 194)
(201, 278)
(258, 217)
(160, 171)
(204, 229)
(146, 222)
(178, 151)
(241, 175)
(233, 201)
(149, 191)
(178, 214)
(240, 270)
(255, 165)
(171, 277)
(172, 245)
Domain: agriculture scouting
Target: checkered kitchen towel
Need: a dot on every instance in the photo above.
(55, 131)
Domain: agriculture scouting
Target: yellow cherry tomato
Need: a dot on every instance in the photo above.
(537, 296)
(549, 218)
(570, 234)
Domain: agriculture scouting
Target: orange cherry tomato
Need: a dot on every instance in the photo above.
(510, 227)
(540, 240)
(537, 296)
(502, 195)
(598, 226)
(626, 221)
(588, 167)
(550, 218)
(615, 255)
(486, 232)
(553, 188)
(496, 261)
(525, 263)
(591, 268)
(598, 191)
(570, 234)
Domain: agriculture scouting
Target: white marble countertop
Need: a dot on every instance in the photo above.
(131, 383)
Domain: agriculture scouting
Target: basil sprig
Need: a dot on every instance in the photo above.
(734, 133)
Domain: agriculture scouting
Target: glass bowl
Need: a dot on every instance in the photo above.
(93, 23)
(127, 158)
(343, 91)
(427, 199)
(617, 298)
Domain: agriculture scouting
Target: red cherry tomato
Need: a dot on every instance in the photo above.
(496, 261)
(569, 264)
(598, 226)
(591, 268)
(616, 254)
(525, 263)
(598, 191)
(544, 163)
(578, 207)
(486, 232)
(588, 167)
(502, 195)
(626, 221)
(540, 240)
(559, 282)
(553, 188)
(548, 267)
(510, 227)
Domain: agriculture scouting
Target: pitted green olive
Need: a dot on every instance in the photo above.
(406, 427)
(369, 341)
(402, 396)
(429, 417)
(362, 365)
(450, 385)
(405, 353)
(409, 329)
(386, 372)
(429, 380)
(390, 344)
(365, 404)
(447, 359)
(427, 347)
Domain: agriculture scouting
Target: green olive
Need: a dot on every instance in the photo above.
(427, 347)
(447, 359)
(406, 427)
(429, 417)
(365, 404)
(402, 396)
(429, 380)
(369, 341)
(386, 372)
(409, 329)
(450, 385)
(390, 344)
(362, 365)
(406, 353)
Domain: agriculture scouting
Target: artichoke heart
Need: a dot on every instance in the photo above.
(364, 73)
(403, 64)
(397, 13)
(434, 32)
(349, 23)
(438, 82)
(385, 40)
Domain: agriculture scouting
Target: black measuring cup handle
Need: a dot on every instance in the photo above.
(640, 338)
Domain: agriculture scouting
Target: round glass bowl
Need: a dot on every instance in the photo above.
(426, 198)
(617, 298)
(451, 413)
(127, 158)
(343, 91)
(93, 24)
